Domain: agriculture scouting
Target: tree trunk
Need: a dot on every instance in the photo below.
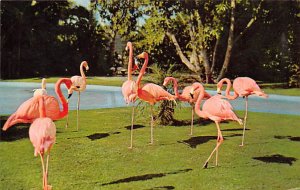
(180, 53)
(229, 44)
(214, 55)
(112, 49)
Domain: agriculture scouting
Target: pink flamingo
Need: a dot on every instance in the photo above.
(41, 91)
(29, 110)
(185, 96)
(79, 85)
(150, 93)
(242, 86)
(42, 136)
(128, 89)
(217, 110)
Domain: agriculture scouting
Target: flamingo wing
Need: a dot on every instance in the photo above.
(129, 92)
(157, 92)
(219, 109)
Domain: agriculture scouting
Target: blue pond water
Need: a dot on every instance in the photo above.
(12, 94)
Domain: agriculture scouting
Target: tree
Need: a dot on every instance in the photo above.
(116, 18)
(195, 29)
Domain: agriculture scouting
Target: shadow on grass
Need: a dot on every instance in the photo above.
(97, 136)
(276, 158)
(145, 177)
(193, 142)
(15, 132)
(179, 123)
(237, 129)
(287, 137)
(134, 127)
(167, 187)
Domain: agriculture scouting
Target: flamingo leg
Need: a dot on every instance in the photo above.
(43, 166)
(192, 123)
(245, 121)
(67, 124)
(131, 131)
(78, 102)
(219, 142)
(151, 140)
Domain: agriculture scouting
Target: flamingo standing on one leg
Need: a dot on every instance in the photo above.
(128, 90)
(242, 86)
(79, 85)
(41, 91)
(42, 136)
(217, 110)
(29, 110)
(185, 96)
(150, 93)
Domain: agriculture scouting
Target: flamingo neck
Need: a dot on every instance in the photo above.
(43, 83)
(129, 69)
(81, 70)
(198, 110)
(42, 109)
(227, 92)
(61, 97)
(142, 71)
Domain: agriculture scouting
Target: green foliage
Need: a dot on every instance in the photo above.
(294, 80)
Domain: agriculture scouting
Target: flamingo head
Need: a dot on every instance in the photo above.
(85, 65)
(166, 81)
(143, 55)
(192, 91)
(129, 44)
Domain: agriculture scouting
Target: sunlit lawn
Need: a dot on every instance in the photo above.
(97, 156)
(117, 81)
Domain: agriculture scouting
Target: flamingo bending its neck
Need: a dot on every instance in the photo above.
(185, 96)
(42, 136)
(128, 89)
(150, 93)
(242, 86)
(29, 110)
(217, 110)
(79, 85)
(41, 91)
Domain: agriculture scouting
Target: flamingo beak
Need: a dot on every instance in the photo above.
(192, 92)
(70, 93)
(141, 56)
(219, 90)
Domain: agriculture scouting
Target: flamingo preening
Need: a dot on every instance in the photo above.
(242, 86)
(185, 96)
(215, 109)
(79, 85)
(29, 110)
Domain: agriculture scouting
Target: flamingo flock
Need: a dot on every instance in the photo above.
(42, 109)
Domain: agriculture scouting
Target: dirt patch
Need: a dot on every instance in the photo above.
(134, 127)
(195, 141)
(145, 177)
(276, 158)
(97, 136)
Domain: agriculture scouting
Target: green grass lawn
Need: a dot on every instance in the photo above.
(118, 81)
(78, 162)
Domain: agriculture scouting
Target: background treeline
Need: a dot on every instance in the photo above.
(208, 38)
